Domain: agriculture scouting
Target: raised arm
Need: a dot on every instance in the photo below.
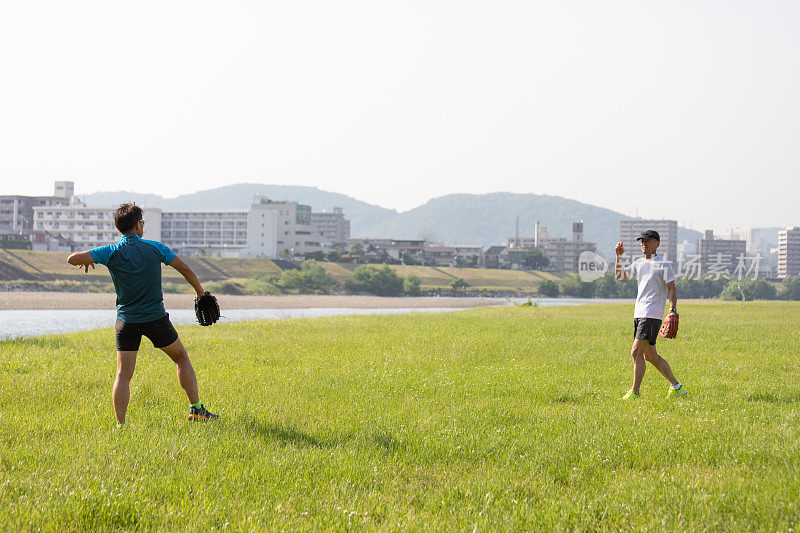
(81, 260)
(188, 274)
(619, 270)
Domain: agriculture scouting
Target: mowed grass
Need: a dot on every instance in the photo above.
(490, 419)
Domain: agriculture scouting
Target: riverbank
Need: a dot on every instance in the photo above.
(71, 300)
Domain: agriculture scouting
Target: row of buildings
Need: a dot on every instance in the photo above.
(266, 229)
(275, 229)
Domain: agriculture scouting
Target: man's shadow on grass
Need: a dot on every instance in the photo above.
(289, 435)
(272, 431)
(771, 398)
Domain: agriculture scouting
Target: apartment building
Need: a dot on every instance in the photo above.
(720, 256)
(630, 229)
(218, 233)
(268, 229)
(86, 227)
(333, 226)
(789, 252)
(16, 212)
(564, 254)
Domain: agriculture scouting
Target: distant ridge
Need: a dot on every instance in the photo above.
(483, 219)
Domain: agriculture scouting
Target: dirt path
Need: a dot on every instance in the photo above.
(84, 300)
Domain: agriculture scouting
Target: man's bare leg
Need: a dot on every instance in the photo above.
(126, 363)
(652, 357)
(638, 351)
(186, 376)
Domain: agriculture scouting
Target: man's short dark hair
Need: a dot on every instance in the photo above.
(126, 216)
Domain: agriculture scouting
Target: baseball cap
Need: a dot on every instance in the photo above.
(649, 234)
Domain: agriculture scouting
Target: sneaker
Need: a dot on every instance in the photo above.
(201, 414)
(674, 393)
(120, 426)
(630, 395)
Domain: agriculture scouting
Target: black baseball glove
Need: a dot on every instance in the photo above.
(206, 309)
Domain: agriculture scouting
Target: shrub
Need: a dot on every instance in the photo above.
(753, 289)
(790, 289)
(459, 284)
(310, 279)
(548, 288)
(379, 281)
(411, 285)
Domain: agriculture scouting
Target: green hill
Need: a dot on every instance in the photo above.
(483, 219)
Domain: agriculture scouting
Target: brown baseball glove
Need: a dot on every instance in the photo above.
(669, 329)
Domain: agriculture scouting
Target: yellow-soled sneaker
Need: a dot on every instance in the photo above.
(630, 396)
(675, 393)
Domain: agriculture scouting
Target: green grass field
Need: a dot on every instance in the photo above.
(498, 419)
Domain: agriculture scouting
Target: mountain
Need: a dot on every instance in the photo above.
(240, 196)
(484, 219)
(491, 219)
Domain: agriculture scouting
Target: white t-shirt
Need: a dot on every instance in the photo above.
(653, 275)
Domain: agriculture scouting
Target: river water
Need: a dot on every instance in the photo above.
(31, 323)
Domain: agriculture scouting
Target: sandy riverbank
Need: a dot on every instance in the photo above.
(88, 300)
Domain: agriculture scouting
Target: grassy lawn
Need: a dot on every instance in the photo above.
(494, 419)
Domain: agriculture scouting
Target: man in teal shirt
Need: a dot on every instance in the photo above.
(135, 267)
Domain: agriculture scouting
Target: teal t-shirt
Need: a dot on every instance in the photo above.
(135, 267)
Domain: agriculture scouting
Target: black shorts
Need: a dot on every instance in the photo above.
(160, 332)
(646, 328)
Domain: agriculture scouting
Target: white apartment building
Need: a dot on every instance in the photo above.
(268, 229)
(219, 233)
(333, 226)
(630, 229)
(294, 234)
(789, 252)
(88, 227)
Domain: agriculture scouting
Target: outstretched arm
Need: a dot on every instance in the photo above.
(81, 260)
(188, 274)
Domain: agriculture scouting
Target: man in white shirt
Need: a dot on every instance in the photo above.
(656, 279)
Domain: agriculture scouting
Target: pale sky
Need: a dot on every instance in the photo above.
(682, 109)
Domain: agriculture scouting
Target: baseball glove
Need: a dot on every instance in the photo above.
(206, 309)
(669, 329)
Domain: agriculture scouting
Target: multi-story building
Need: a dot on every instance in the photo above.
(219, 233)
(789, 252)
(720, 257)
(631, 228)
(268, 229)
(333, 226)
(88, 227)
(16, 212)
(563, 254)
(756, 239)
(295, 234)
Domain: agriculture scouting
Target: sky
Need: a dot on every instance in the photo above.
(686, 110)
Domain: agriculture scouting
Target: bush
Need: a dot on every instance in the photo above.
(573, 286)
(310, 279)
(753, 289)
(706, 287)
(459, 284)
(379, 281)
(548, 288)
(790, 289)
(411, 285)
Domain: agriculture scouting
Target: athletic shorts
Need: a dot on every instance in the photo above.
(646, 328)
(160, 332)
